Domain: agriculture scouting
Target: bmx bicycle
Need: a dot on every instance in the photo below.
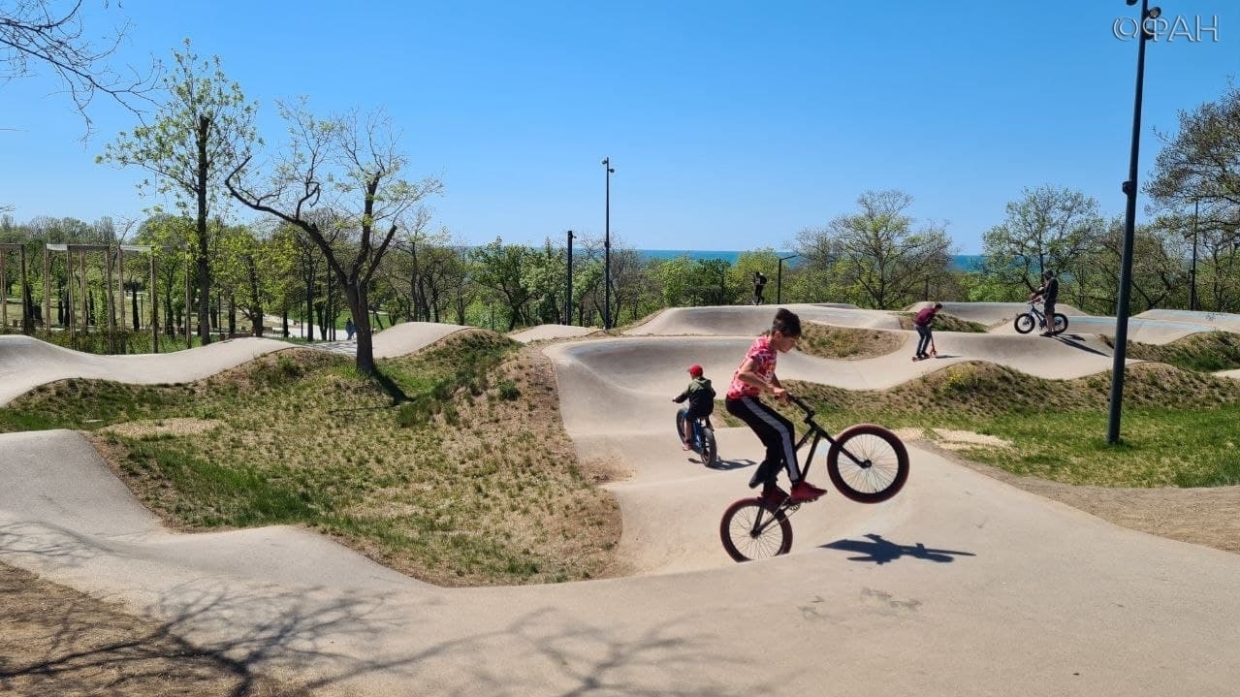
(1035, 317)
(866, 463)
(703, 441)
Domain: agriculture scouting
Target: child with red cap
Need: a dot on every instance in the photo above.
(701, 398)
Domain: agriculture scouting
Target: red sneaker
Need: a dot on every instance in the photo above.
(804, 491)
(773, 497)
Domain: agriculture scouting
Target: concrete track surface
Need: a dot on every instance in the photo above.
(961, 585)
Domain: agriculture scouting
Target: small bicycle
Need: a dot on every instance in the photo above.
(866, 463)
(703, 442)
(1026, 321)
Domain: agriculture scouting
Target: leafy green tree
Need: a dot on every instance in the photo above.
(1048, 229)
(877, 255)
(500, 269)
(673, 278)
(199, 135)
(545, 277)
(256, 268)
(170, 239)
(1200, 164)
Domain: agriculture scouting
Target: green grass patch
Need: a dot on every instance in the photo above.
(1176, 424)
(1202, 352)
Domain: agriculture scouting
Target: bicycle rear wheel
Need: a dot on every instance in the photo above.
(868, 464)
(709, 451)
(1061, 322)
(751, 531)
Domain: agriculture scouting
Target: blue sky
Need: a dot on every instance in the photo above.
(731, 125)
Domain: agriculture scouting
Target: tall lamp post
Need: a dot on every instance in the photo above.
(607, 248)
(1130, 213)
(779, 278)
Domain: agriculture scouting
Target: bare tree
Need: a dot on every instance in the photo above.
(51, 35)
(350, 165)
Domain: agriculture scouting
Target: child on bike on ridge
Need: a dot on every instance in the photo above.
(1048, 294)
(701, 398)
(755, 376)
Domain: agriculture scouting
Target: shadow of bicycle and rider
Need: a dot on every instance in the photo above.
(880, 551)
(724, 465)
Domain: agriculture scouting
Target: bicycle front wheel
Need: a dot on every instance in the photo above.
(750, 530)
(1024, 323)
(710, 452)
(868, 463)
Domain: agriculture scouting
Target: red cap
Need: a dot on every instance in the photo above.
(695, 371)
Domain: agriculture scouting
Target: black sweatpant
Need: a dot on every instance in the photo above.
(775, 432)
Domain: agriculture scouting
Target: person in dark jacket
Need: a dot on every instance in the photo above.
(1049, 293)
(701, 398)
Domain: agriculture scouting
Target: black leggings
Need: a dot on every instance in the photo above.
(775, 432)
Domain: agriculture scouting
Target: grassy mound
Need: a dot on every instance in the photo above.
(454, 468)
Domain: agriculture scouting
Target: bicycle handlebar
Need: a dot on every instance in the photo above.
(809, 411)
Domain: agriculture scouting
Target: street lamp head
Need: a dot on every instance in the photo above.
(1131, 2)
(1154, 13)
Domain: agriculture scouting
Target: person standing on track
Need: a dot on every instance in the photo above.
(925, 334)
(755, 376)
(1049, 293)
(759, 285)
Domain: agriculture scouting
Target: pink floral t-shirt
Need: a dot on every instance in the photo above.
(763, 356)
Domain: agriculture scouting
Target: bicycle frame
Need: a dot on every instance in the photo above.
(696, 426)
(1039, 313)
(819, 434)
(881, 475)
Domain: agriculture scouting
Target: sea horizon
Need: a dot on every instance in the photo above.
(960, 262)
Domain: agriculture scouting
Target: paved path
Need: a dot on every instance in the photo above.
(961, 585)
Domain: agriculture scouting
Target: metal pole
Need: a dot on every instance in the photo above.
(568, 297)
(779, 283)
(4, 291)
(1192, 292)
(1125, 274)
(779, 278)
(607, 248)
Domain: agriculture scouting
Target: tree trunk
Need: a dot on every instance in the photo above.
(204, 248)
(355, 294)
(308, 322)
